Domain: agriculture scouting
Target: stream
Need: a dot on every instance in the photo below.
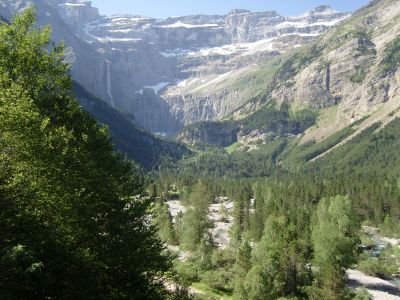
(379, 246)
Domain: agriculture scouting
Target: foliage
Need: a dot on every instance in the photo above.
(278, 262)
(383, 266)
(362, 294)
(391, 59)
(279, 120)
(242, 267)
(69, 224)
(335, 242)
(163, 221)
(306, 152)
(137, 144)
(292, 66)
(193, 227)
(358, 76)
(390, 226)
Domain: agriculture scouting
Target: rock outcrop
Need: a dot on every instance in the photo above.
(176, 71)
(78, 12)
(351, 69)
(348, 76)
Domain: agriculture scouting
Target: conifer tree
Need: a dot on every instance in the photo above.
(242, 267)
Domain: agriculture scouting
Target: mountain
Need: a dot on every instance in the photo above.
(135, 143)
(138, 144)
(84, 59)
(347, 79)
(180, 60)
(163, 70)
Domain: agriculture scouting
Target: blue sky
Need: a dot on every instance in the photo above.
(164, 8)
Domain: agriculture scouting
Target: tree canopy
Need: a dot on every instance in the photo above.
(72, 225)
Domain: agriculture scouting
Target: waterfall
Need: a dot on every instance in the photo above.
(109, 83)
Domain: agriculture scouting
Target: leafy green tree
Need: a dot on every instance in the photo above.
(206, 248)
(201, 196)
(335, 241)
(276, 261)
(193, 226)
(70, 227)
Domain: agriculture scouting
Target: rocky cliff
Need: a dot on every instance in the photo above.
(180, 70)
(353, 69)
(346, 77)
(92, 73)
(192, 67)
(84, 59)
(175, 71)
(77, 12)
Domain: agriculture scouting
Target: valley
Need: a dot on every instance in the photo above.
(247, 155)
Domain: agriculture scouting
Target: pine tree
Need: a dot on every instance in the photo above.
(242, 267)
(163, 221)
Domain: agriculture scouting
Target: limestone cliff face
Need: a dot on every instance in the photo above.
(176, 71)
(218, 134)
(87, 64)
(77, 12)
(349, 74)
(180, 70)
(350, 69)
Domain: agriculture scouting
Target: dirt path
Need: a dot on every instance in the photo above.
(380, 289)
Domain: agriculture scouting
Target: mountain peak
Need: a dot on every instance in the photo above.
(323, 10)
(76, 12)
(238, 11)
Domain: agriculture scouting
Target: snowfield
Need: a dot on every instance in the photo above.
(184, 25)
(156, 88)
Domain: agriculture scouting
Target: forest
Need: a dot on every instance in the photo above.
(78, 220)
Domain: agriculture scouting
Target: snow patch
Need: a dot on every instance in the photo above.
(305, 24)
(215, 80)
(156, 88)
(184, 25)
(160, 134)
(121, 30)
(111, 39)
(72, 4)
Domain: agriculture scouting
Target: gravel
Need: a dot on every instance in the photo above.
(380, 289)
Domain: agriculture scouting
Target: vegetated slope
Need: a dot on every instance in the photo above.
(349, 74)
(136, 143)
(374, 152)
(353, 67)
(71, 224)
